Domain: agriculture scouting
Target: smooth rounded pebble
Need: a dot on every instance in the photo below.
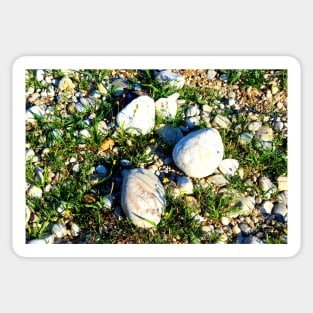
(138, 117)
(229, 167)
(199, 153)
(143, 197)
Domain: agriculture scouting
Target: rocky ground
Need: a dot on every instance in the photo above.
(87, 130)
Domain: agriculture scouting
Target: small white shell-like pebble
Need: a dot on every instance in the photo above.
(59, 230)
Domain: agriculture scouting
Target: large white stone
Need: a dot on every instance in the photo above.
(143, 197)
(199, 153)
(138, 117)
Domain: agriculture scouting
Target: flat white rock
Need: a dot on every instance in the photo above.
(173, 79)
(143, 197)
(138, 117)
(185, 184)
(167, 107)
(199, 153)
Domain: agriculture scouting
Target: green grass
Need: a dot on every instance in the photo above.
(99, 224)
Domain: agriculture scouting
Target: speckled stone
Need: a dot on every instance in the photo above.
(143, 197)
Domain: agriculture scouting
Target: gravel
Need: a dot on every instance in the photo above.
(262, 209)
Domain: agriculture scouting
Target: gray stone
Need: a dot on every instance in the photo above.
(245, 138)
(267, 186)
(282, 198)
(252, 240)
(245, 229)
(266, 207)
(199, 153)
(143, 197)
(243, 206)
(173, 79)
(138, 117)
(170, 135)
(265, 137)
(278, 126)
(280, 211)
(119, 86)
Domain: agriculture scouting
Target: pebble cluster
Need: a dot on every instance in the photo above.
(197, 158)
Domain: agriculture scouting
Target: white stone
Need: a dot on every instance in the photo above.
(211, 74)
(265, 137)
(199, 153)
(173, 79)
(35, 192)
(34, 111)
(57, 133)
(167, 107)
(138, 117)
(280, 211)
(254, 126)
(40, 75)
(267, 186)
(225, 220)
(282, 183)
(29, 154)
(266, 207)
(184, 184)
(143, 197)
(244, 206)
(75, 230)
(85, 133)
(59, 230)
(229, 167)
(221, 121)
